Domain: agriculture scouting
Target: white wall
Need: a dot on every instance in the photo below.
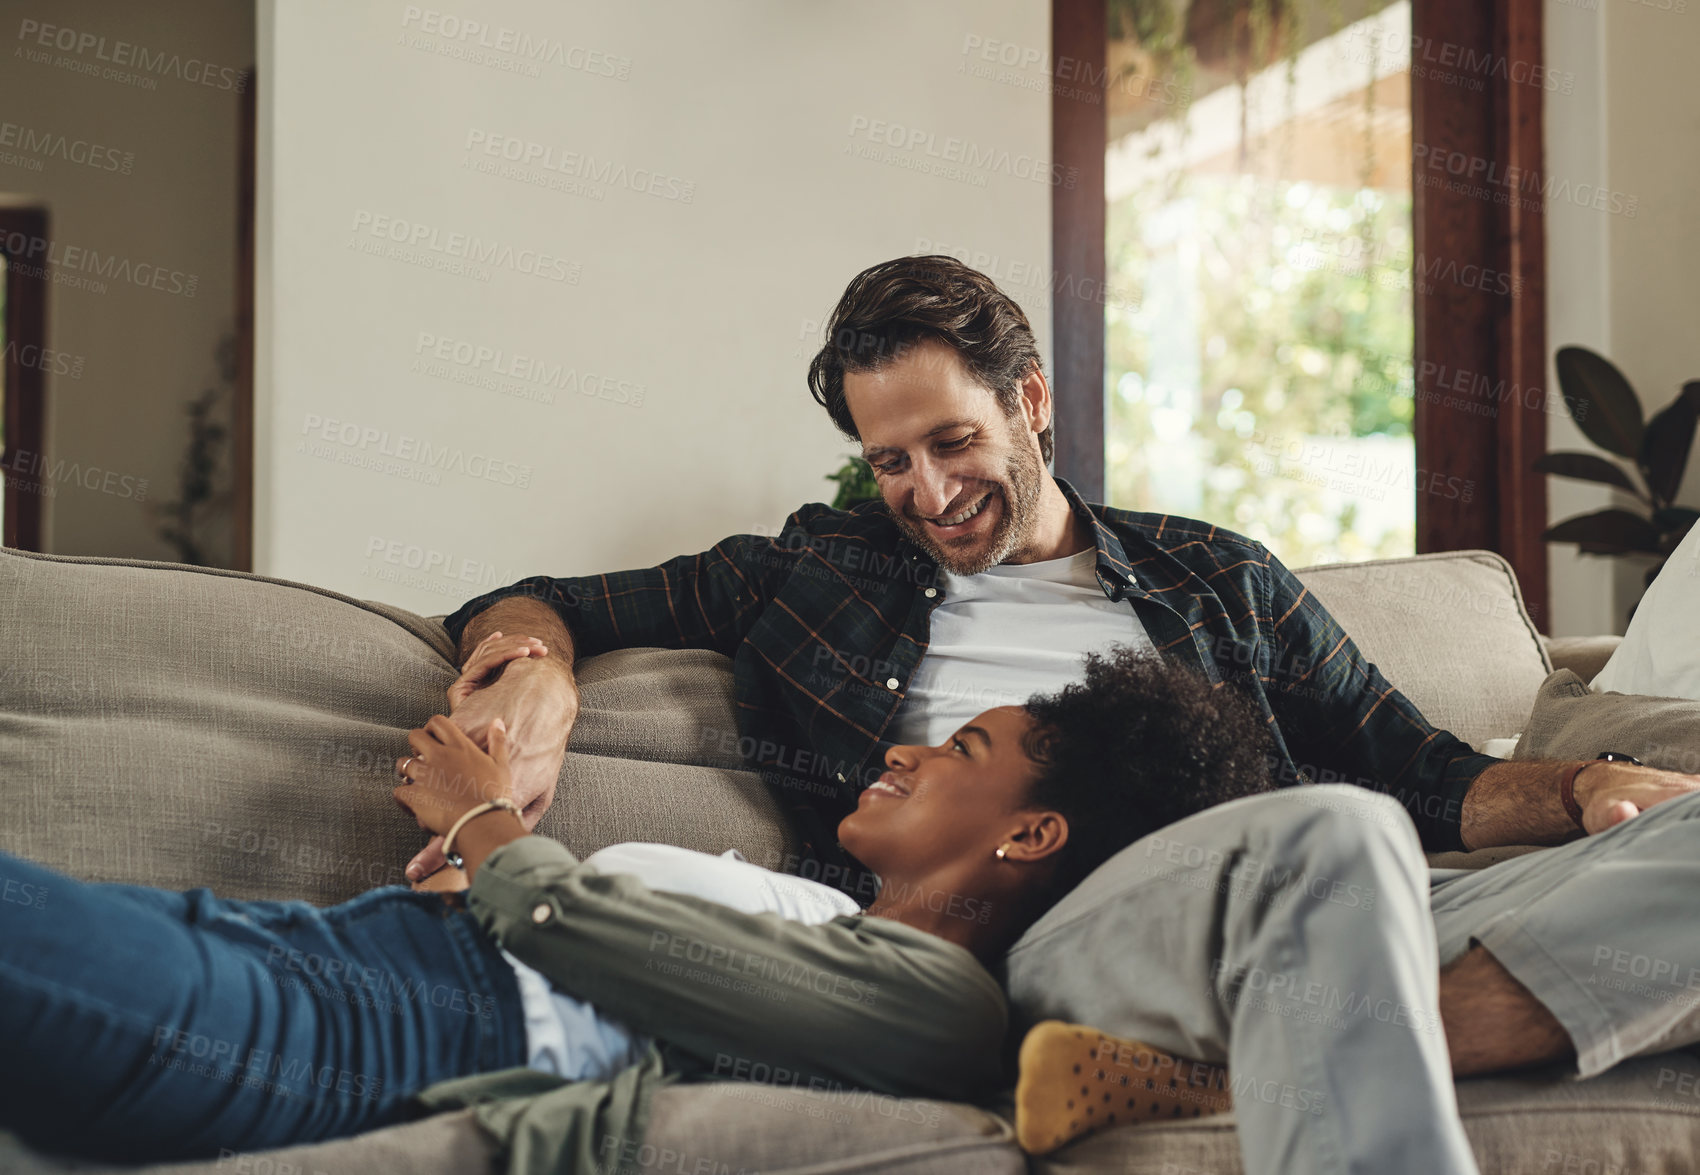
(160, 199)
(1625, 285)
(1653, 137)
(1578, 300)
(688, 322)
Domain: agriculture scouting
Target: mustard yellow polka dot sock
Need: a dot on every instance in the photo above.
(1076, 1080)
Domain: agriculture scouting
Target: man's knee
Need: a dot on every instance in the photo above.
(1339, 828)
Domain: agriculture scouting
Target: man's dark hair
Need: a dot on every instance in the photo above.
(888, 308)
(1141, 743)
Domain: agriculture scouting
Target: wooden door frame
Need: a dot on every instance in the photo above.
(1480, 355)
(1464, 337)
(25, 383)
(1079, 137)
(242, 410)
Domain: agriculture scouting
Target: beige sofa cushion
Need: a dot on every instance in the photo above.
(1571, 721)
(1448, 630)
(1641, 1118)
(720, 1128)
(181, 727)
(1583, 655)
(448, 1144)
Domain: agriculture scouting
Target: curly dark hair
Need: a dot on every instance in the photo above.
(1141, 743)
(888, 308)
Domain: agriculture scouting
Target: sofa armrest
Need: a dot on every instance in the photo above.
(1583, 655)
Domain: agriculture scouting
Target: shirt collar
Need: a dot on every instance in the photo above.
(1113, 563)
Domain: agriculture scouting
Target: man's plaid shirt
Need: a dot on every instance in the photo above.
(827, 622)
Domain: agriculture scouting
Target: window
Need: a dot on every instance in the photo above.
(1260, 261)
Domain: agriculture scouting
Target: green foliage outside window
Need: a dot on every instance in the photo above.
(1297, 344)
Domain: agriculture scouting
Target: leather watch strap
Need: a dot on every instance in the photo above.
(1567, 792)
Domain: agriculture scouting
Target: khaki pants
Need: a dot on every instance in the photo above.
(1299, 936)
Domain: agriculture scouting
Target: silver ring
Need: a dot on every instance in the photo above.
(404, 763)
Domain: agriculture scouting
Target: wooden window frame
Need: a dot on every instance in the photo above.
(1498, 340)
(25, 383)
(1468, 337)
(242, 410)
(1079, 138)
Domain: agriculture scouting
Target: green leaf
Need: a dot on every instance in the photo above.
(1606, 532)
(1586, 467)
(856, 483)
(1611, 415)
(1670, 436)
(1678, 518)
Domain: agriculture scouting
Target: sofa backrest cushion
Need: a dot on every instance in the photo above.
(177, 726)
(1448, 630)
(1573, 721)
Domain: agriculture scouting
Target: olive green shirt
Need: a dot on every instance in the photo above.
(854, 1003)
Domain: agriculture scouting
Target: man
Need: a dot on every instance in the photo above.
(854, 631)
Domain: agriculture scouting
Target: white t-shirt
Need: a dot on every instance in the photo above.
(568, 1036)
(1012, 631)
(1660, 653)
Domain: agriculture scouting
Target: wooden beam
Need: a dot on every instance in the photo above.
(1480, 346)
(1079, 138)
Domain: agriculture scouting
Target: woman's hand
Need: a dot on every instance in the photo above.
(448, 774)
(533, 692)
(448, 879)
(487, 662)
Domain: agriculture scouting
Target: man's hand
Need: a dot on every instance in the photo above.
(513, 678)
(1517, 801)
(488, 661)
(1611, 793)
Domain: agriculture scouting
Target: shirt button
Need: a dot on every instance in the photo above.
(931, 592)
(541, 913)
(891, 683)
(841, 777)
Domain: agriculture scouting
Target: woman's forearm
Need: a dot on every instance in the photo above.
(483, 835)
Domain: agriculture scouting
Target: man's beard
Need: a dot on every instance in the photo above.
(1019, 499)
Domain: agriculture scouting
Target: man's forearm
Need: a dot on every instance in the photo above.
(1517, 803)
(521, 616)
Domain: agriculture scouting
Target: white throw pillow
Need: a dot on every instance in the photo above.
(1660, 654)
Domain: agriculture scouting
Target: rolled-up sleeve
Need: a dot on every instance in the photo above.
(1344, 722)
(857, 1002)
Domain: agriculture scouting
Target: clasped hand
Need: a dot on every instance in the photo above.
(1612, 792)
(507, 680)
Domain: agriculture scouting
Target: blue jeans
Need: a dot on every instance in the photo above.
(144, 1024)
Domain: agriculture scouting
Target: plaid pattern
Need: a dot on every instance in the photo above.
(827, 622)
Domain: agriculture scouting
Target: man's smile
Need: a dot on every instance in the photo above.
(966, 521)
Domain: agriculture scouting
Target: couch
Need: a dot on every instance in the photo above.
(181, 726)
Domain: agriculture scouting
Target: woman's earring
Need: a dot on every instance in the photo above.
(1003, 851)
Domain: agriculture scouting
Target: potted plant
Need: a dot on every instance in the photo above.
(1608, 412)
(856, 483)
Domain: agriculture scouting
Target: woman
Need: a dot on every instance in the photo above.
(146, 1024)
